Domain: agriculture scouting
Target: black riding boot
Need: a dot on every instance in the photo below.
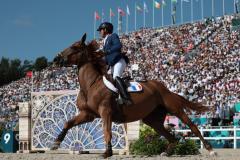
(123, 90)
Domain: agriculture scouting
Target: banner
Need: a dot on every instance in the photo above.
(29, 74)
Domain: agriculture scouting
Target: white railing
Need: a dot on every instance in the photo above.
(233, 129)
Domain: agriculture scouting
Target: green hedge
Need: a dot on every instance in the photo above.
(187, 148)
(150, 143)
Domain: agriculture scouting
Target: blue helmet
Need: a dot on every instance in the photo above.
(106, 25)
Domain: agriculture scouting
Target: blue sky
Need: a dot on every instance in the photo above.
(34, 28)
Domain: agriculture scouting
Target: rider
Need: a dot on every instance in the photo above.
(113, 57)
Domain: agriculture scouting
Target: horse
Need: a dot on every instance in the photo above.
(96, 101)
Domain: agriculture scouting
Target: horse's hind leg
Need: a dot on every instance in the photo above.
(185, 119)
(83, 117)
(156, 120)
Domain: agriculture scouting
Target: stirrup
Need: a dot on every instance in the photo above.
(119, 100)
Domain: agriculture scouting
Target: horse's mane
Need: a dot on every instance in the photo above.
(96, 57)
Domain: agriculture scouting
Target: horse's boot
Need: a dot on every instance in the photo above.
(123, 90)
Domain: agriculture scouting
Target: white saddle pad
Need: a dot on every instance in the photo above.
(133, 87)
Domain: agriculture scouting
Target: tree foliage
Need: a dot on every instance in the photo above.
(40, 63)
(12, 70)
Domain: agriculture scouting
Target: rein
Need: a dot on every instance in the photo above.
(95, 79)
(92, 60)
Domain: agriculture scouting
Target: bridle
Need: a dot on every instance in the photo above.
(89, 60)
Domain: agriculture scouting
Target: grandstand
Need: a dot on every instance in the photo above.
(197, 60)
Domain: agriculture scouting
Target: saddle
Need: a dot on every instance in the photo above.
(132, 86)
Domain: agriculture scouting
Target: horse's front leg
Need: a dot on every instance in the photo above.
(83, 117)
(105, 113)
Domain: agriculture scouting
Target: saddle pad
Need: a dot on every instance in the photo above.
(133, 87)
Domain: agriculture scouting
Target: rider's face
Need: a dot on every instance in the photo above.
(103, 33)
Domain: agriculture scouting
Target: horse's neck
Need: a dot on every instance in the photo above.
(87, 75)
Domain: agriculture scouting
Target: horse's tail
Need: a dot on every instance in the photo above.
(199, 108)
(174, 100)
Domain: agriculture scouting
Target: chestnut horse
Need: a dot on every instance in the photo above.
(96, 101)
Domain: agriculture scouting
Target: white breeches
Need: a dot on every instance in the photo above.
(118, 68)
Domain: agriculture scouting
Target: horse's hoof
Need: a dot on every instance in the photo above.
(213, 153)
(55, 146)
(163, 154)
(107, 154)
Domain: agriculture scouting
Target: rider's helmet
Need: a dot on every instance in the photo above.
(106, 25)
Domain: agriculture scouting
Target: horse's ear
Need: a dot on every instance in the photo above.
(83, 38)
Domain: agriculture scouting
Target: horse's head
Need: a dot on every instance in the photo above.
(76, 54)
(80, 53)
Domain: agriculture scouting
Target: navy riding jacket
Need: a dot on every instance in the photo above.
(112, 48)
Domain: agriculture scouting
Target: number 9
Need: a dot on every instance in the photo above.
(6, 138)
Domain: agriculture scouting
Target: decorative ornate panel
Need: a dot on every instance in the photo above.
(49, 115)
